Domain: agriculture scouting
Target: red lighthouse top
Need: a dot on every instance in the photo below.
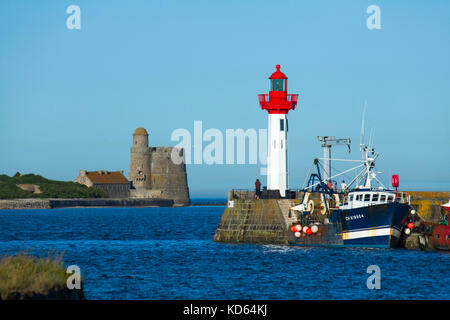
(278, 101)
(278, 74)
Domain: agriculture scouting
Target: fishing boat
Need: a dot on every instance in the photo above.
(366, 215)
(441, 231)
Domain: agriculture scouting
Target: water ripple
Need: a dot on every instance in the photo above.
(168, 253)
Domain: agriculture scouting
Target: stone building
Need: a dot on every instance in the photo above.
(153, 174)
(113, 182)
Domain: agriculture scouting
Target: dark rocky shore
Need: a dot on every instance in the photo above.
(64, 294)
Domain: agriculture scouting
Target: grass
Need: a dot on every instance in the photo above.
(49, 188)
(30, 275)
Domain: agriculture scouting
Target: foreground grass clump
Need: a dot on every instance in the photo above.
(31, 276)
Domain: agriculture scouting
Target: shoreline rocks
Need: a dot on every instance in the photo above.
(63, 294)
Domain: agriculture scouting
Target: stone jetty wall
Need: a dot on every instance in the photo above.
(25, 204)
(253, 221)
(69, 203)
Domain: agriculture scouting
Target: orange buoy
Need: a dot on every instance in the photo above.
(293, 228)
(411, 225)
(308, 231)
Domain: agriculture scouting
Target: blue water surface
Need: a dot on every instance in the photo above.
(168, 253)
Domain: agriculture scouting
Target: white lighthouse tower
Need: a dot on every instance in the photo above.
(278, 103)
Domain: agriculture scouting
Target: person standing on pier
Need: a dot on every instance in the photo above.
(258, 188)
(344, 186)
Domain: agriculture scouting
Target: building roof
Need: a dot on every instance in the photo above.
(105, 177)
(140, 132)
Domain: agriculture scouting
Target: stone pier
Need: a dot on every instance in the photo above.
(253, 221)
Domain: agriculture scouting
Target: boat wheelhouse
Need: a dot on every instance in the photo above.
(364, 198)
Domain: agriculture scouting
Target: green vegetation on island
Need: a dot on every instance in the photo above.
(22, 186)
(26, 277)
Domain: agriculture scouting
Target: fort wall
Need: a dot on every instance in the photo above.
(154, 174)
(167, 176)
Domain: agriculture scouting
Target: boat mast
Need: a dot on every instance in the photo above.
(368, 161)
(327, 143)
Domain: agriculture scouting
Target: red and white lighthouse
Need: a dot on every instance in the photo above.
(278, 103)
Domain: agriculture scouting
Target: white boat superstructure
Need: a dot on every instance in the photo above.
(366, 198)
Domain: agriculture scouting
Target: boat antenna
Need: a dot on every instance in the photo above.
(372, 138)
(361, 137)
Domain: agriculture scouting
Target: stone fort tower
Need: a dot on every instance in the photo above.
(153, 174)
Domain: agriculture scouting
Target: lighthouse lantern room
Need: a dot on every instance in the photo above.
(277, 103)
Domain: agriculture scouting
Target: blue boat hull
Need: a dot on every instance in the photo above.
(377, 226)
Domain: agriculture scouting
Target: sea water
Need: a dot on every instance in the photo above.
(168, 253)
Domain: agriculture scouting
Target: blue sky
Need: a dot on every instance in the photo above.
(70, 99)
